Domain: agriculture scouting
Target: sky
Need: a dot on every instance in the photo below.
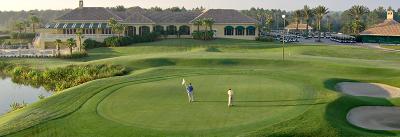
(334, 5)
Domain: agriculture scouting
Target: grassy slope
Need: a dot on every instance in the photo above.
(315, 68)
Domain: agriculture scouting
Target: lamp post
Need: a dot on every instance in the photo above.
(283, 40)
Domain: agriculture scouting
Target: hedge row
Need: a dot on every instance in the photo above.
(58, 79)
(15, 35)
(120, 41)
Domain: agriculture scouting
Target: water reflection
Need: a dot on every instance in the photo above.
(12, 92)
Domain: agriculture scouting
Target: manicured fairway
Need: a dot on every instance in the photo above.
(295, 97)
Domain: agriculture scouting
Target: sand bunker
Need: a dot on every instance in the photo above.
(375, 117)
(369, 89)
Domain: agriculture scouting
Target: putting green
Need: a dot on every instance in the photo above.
(259, 101)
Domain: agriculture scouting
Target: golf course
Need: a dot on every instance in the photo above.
(297, 96)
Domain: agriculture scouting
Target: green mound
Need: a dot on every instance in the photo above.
(259, 101)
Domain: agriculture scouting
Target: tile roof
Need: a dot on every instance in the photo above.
(138, 18)
(139, 15)
(226, 16)
(387, 28)
(171, 17)
(89, 14)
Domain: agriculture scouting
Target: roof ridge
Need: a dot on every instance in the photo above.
(199, 16)
(135, 13)
(112, 13)
(248, 16)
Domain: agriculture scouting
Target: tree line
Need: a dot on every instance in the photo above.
(351, 21)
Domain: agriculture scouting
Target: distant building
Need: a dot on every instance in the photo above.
(386, 32)
(94, 23)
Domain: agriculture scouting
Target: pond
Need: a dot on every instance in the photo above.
(11, 92)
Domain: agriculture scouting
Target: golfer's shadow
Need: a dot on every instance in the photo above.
(285, 103)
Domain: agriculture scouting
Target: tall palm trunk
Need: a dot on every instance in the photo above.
(307, 28)
(33, 27)
(205, 32)
(58, 49)
(319, 30)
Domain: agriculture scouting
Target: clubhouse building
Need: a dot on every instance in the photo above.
(93, 21)
(387, 32)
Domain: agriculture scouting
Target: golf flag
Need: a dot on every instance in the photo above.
(183, 82)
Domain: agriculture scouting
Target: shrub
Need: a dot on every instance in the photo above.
(265, 39)
(124, 41)
(15, 35)
(41, 97)
(15, 105)
(58, 79)
(75, 55)
(203, 35)
(90, 44)
(4, 37)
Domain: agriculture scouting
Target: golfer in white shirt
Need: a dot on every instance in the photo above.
(230, 97)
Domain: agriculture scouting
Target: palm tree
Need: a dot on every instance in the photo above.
(34, 20)
(210, 23)
(58, 42)
(71, 43)
(207, 22)
(26, 25)
(320, 12)
(268, 21)
(198, 23)
(357, 11)
(116, 27)
(307, 13)
(204, 23)
(79, 37)
(19, 26)
(297, 17)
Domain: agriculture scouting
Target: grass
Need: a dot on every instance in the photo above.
(274, 98)
(391, 47)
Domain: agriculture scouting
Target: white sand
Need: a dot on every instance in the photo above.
(369, 89)
(375, 117)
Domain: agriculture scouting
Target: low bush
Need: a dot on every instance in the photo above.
(15, 105)
(203, 35)
(124, 41)
(15, 35)
(58, 79)
(75, 55)
(265, 39)
(4, 37)
(90, 44)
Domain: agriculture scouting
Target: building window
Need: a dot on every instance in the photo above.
(159, 29)
(184, 30)
(144, 30)
(228, 30)
(251, 31)
(106, 31)
(171, 30)
(239, 30)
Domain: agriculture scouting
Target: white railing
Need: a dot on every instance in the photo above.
(53, 37)
(27, 53)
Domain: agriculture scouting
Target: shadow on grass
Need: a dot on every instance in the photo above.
(336, 111)
(99, 53)
(260, 101)
(282, 103)
(331, 83)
